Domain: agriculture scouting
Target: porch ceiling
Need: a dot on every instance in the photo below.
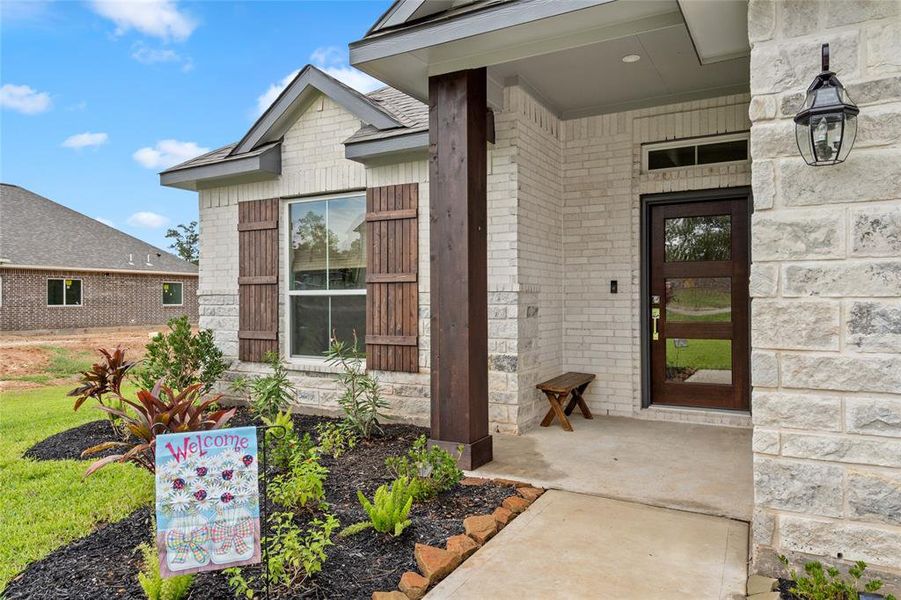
(571, 53)
(593, 79)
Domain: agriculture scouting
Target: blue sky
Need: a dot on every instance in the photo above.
(97, 97)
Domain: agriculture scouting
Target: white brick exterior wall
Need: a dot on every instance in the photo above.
(602, 187)
(563, 219)
(825, 284)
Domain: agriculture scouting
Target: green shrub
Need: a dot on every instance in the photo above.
(361, 399)
(272, 393)
(430, 470)
(389, 509)
(827, 583)
(153, 584)
(301, 486)
(283, 445)
(294, 554)
(181, 359)
(336, 438)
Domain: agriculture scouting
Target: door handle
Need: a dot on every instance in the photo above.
(655, 318)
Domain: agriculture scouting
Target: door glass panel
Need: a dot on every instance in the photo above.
(699, 299)
(698, 361)
(698, 238)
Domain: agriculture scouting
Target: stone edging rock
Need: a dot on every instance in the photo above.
(437, 563)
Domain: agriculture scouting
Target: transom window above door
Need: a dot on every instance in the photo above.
(326, 272)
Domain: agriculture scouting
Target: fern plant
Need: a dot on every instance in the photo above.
(153, 584)
(389, 510)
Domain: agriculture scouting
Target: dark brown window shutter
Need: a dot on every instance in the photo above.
(257, 278)
(392, 288)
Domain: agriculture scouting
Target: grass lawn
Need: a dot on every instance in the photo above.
(45, 504)
(700, 354)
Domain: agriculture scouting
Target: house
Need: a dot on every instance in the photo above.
(60, 269)
(609, 187)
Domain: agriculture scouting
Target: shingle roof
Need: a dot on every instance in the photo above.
(413, 114)
(36, 231)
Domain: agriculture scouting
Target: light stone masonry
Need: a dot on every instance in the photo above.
(825, 279)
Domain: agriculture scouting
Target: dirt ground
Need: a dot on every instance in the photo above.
(25, 358)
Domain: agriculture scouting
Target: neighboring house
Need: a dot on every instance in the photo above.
(60, 269)
(642, 213)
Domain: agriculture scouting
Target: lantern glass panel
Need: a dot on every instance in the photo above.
(849, 136)
(802, 134)
(826, 136)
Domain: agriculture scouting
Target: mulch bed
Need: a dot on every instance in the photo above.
(69, 444)
(105, 563)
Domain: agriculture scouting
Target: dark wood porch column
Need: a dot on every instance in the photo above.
(459, 264)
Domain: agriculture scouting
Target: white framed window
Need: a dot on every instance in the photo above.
(326, 264)
(64, 292)
(173, 293)
(696, 152)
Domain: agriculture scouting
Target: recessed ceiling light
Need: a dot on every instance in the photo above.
(631, 58)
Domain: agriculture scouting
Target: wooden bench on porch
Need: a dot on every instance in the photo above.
(558, 390)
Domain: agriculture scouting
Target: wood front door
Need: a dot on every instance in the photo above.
(698, 305)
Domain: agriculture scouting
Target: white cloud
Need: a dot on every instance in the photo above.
(157, 18)
(78, 106)
(331, 60)
(274, 90)
(24, 99)
(147, 219)
(167, 153)
(334, 61)
(105, 221)
(84, 140)
(146, 55)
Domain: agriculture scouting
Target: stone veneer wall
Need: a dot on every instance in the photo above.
(826, 279)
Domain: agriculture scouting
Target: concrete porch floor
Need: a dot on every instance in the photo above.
(578, 546)
(697, 468)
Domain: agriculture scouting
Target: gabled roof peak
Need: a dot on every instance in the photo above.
(273, 123)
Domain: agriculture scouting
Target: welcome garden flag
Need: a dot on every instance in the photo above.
(207, 500)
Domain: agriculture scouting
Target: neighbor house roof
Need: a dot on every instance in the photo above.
(384, 113)
(36, 232)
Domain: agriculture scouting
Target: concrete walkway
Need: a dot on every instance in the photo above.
(577, 546)
(699, 468)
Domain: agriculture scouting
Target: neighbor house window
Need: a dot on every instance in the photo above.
(714, 150)
(172, 293)
(64, 292)
(326, 272)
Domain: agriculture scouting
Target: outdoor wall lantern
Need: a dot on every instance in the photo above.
(826, 126)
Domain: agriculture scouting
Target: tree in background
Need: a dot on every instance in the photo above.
(186, 241)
